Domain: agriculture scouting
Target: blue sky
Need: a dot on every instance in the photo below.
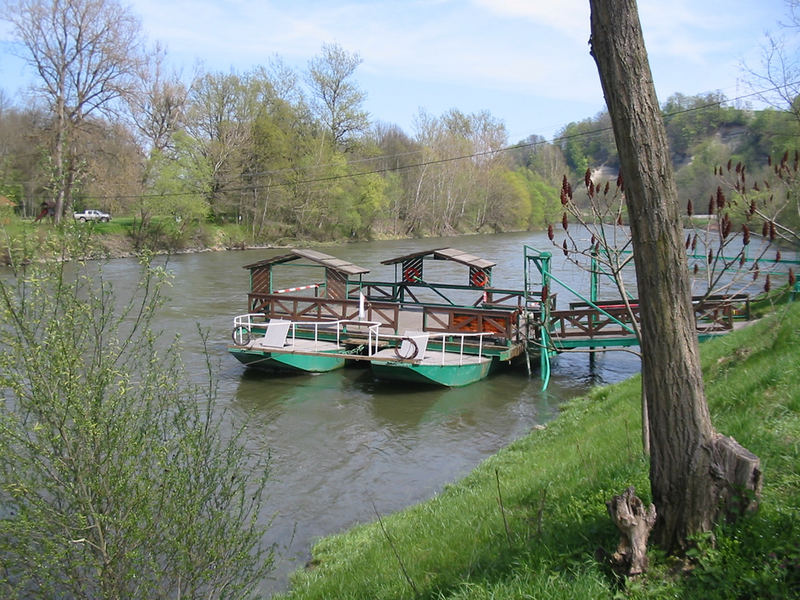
(525, 61)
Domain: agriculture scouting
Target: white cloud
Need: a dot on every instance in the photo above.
(569, 17)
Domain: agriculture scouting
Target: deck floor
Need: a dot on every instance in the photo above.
(431, 357)
(297, 345)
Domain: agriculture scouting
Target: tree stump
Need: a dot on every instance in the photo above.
(736, 473)
(634, 522)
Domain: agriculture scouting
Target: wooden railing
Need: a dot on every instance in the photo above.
(406, 292)
(612, 319)
(307, 308)
(591, 323)
(718, 313)
(713, 314)
(501, 323)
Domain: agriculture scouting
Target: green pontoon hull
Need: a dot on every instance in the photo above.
(286, 361)
(436, 374)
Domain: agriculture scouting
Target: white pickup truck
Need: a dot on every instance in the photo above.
(92, 215)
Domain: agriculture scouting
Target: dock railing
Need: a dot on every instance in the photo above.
(244, 326)
(307, 308)
(500, 323)
(403, 292)
(443, 350)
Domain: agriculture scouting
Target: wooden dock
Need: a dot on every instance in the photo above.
(485, 323)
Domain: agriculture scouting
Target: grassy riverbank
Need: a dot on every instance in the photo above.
(125, 236)
(530, 521)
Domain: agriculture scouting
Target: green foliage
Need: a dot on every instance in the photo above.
(528, 522)
(575, 154)
(181, 183)
(159, 233)
(772, 132)
(589, 143)
(254, 150)
(370, 203)
(519, 210)
(696, 179)
(338, 99)
(118, 477)
(545, 201)
(691, 119)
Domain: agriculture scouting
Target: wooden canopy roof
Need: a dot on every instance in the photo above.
(325, 260)
(452, 254)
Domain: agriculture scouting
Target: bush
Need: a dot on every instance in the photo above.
(116, 479)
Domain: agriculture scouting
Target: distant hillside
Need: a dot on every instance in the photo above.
(703, 133)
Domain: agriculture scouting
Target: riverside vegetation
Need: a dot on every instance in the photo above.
(530, 522)
(120, 477)
(280, 153)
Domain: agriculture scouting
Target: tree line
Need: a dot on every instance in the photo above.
(294, 154)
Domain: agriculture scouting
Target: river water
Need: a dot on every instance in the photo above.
(343, 445)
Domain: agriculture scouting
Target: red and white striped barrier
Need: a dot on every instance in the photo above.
(297, 289)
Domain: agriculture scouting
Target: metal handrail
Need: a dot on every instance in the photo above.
(444, 335)
(248, 321)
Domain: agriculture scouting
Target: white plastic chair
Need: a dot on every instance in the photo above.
(413, 345)
(275, 336)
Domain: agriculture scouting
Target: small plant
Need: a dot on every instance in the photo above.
(738, 245)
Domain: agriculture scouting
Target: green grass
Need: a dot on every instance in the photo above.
(118, 237)
(554, 484)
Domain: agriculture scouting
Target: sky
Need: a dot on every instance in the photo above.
(526, 62)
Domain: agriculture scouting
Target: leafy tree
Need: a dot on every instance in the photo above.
(282, 138)
(689, 120)
(574, 152)
(338, 101)
(547, 160)
(157, 107)
(395, 154)
(456, 185)
(370, 202)
(176, 200)
(696, 179)
(86, 54)
(20, 177)
(589, 143)
(113, 167)
(504, 202)
(541, 198)
(517, 206)
(219, 118)
(772, 132)
(178, 191)
(119, 478)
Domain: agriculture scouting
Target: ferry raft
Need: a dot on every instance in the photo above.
(418, 330)
(408, 329)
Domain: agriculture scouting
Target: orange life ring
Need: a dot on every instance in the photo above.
(411, 274)
(478, 279)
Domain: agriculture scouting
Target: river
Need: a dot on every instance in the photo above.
(343, 445)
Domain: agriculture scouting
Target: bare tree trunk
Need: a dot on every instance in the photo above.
(691, 468)
(59, 176)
